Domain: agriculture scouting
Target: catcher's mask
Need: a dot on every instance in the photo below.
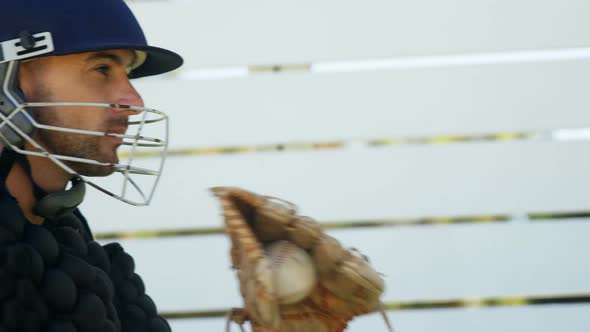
(36, 28)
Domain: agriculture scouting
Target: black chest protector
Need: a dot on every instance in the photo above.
(55, 277)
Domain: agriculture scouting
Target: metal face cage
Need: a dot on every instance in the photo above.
(146, 135)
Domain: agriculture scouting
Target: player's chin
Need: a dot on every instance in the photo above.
(93, 170)
(109, 154)
(107, 160)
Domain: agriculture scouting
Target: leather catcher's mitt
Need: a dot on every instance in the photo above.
(347, 286)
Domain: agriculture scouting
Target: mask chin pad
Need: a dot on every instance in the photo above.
(54, 205)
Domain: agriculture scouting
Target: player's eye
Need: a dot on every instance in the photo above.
(103, 69)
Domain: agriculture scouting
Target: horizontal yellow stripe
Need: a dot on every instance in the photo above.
(431, 304)
(276, 68)
(341, 144)
(536, 217)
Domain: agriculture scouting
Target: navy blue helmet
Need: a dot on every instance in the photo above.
(78, 26)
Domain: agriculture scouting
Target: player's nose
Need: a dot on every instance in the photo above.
(128, 95)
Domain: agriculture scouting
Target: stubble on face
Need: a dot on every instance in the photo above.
(88, 77)
(70, 144)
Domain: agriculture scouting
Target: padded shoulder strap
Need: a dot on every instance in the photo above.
(7, 158)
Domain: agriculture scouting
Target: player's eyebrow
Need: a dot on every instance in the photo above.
(112, 57)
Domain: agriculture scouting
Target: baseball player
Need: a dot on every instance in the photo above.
(66, 106)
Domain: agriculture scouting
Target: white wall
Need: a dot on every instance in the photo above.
(446, 69)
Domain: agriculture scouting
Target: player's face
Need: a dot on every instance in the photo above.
(98, 77)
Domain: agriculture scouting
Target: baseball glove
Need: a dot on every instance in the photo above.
(347, 286)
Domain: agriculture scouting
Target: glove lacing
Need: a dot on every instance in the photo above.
(238, 316)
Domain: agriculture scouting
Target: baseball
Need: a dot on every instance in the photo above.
(293, 272)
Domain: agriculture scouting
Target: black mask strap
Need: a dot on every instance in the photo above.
(7, 158)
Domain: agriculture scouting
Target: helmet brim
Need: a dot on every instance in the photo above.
(158, 61)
